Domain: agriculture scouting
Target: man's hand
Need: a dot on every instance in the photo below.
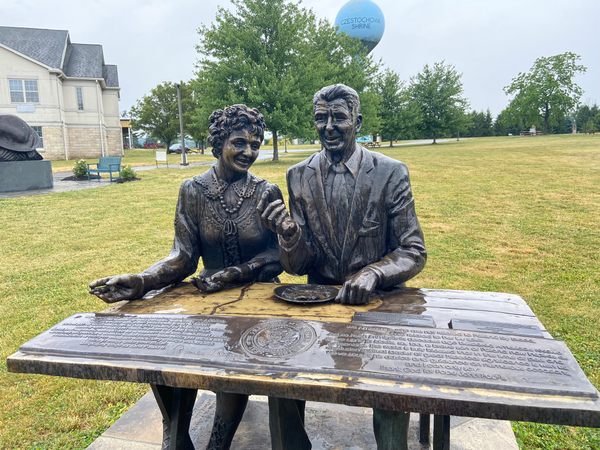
(275, 216)
(118, 287)
(358, 287)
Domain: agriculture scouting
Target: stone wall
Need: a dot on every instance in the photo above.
(113, 142)
(84, 142)
(54, 145)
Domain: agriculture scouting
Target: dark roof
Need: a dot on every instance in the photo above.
(84, 61)
(48, 47)
(45, 46)
(111, 75)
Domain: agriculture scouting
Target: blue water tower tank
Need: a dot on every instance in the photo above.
(363, 20)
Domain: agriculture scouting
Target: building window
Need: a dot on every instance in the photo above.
(79, 92)
(39, 132)
(23, 91)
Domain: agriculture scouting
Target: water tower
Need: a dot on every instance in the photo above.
(362, 20)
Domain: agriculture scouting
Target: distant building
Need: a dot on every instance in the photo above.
(126, 132)
(65, 91)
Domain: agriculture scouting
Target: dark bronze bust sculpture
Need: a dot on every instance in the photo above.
(18, 141)
(216, 219)
(352, 222)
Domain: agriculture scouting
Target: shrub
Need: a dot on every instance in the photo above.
(80, 169)
(127, 173)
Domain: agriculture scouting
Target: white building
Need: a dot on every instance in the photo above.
(64, 90)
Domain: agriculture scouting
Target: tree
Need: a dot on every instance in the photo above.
(438, 92)
(398, 114)
(488, 124)
(547, 93)
(337, 58)
(157, 113)
(473, 124)
(509, 122)
(588, 118)
(274, 55)
(479, 124)
(195, 114)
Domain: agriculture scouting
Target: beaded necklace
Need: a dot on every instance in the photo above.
(215, 190)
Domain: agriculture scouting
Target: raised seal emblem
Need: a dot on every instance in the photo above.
(278, 338)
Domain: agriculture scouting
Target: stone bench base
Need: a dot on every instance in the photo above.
(25, 175)
(329, 426)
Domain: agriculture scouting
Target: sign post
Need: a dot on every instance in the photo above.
(183, 153)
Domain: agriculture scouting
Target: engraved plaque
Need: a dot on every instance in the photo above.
(279, 338)
(248, 345)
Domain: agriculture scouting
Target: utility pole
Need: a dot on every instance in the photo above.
(183, 153)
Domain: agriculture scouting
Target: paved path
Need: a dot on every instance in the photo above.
(60, 185)
(268, 154)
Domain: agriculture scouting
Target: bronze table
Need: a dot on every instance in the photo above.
(440, 352)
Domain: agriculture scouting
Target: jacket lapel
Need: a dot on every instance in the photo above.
(360, 201)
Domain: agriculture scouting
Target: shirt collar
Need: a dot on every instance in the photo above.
(352, 163)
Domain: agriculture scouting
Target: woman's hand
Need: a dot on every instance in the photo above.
(218, 280)
(118, 287)
(227, 275)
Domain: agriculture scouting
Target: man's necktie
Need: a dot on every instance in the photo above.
(340, 202)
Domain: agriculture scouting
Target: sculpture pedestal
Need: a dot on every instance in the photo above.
(25, 175)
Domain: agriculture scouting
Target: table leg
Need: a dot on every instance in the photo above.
(424, 427)
(176, 406)
(391, 429)
(441, 432)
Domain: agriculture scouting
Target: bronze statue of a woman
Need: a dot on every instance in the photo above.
(216, 220)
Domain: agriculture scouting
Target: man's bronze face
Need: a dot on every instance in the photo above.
(336, 124)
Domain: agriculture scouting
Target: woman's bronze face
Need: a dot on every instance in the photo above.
(240, 150)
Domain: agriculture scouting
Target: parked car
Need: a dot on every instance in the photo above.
(176, 148)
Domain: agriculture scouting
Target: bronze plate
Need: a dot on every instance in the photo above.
(306, 294)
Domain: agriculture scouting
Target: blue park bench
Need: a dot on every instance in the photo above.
(367, 141)
(106, 164)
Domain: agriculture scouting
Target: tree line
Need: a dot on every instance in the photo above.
(274, 54)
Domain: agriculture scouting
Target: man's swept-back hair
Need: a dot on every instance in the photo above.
(330, 93)
(223, 122)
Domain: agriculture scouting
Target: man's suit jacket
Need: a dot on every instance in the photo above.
(382, 232)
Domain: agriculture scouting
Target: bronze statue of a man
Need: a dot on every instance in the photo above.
(352, 222)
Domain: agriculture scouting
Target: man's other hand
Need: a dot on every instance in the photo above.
(357, 289)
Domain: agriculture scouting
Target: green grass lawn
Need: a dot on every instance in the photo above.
(504, 214)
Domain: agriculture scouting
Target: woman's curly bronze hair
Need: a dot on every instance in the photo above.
(223, 122)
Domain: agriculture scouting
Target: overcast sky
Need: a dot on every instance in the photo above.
(488, 41)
